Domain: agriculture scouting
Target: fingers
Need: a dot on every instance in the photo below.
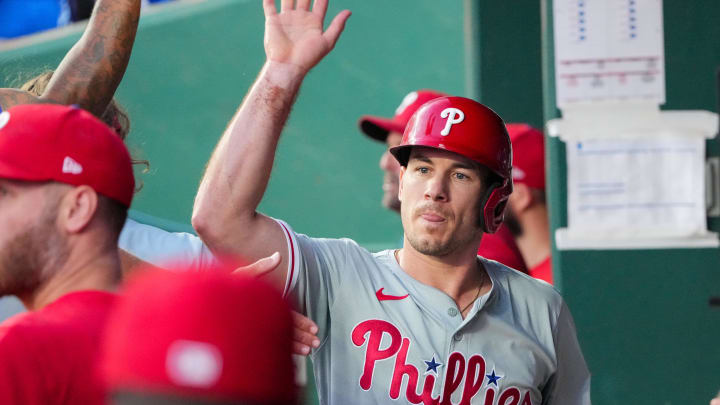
(286, 5)
(261, 266)
(303, 5)
(304, 350)
(320, 8)
(303, 342)
(304, 334)
(336, 27)
(304, 323)
(269, 8)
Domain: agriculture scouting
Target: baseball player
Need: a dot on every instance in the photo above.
(527, 216)
(498, 246)
(202, 352)
(431, 322)
(90, 72)
(61, 211)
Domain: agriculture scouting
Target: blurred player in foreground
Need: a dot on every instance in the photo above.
(473, 330)
(183, 337)
(498, 246)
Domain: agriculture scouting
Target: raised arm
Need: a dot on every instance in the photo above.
(238, 172)
(92, 70)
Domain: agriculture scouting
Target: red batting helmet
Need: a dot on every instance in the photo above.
(470, 129)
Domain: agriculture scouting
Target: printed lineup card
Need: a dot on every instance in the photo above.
(649, 187)
(608, 50)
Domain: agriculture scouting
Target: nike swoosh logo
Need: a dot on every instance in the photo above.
(385, 297)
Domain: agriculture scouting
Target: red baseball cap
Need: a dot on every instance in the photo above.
(206, 335)
(528, 162)
(47, 142)
(378, 128)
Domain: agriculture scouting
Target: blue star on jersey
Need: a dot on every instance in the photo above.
(432, 366)
(492, 378)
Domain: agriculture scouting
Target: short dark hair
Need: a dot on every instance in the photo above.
(113, 213)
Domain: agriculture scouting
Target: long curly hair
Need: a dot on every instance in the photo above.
(114, 116)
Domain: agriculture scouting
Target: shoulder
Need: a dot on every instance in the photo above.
(344, 255)
(519, 287)
(21, 331)
(339, 247)
(72, 315)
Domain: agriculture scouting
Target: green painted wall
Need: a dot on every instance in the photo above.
(193, 63)
(503, 58)
(643, 318)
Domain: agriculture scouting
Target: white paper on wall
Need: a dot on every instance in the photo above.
(645, 187)
(608, 50)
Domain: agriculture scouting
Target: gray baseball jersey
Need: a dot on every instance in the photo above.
(386, 338)
(160, 248)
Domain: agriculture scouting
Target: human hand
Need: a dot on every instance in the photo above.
(304, 334)
(261, 266)
(295, 35)
(304, 329)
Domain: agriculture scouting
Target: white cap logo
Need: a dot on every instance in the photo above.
(454, 116)
(4, 118)
(409, 99)
(193, 364)
(71, 166)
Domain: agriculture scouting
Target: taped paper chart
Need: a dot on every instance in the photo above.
(608, 50)
(650, 187)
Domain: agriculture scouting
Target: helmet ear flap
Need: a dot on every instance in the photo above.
(494, 204)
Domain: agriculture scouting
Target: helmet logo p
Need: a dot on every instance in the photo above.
(454, 116)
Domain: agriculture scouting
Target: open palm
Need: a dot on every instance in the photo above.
(295, 35)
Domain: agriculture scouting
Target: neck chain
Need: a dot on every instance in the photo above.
(477, 294)
(482, 281)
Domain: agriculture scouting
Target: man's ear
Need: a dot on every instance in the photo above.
(521, 197)
(400, 182)
(78, 208)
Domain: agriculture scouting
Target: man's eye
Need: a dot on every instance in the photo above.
(423, 170)
(461, 176)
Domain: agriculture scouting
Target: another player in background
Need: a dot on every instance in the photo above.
(498, 246)
(89, 73)
(473, 330)
(61, 211)
(204, 350)
(527, 216)
(88, 76)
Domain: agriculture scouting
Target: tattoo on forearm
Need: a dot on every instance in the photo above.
(92, 70)
(12, 97)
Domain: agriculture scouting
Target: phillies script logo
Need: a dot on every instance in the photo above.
(458, 370)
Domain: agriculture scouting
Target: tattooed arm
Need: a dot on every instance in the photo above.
(11, 97)
(92, 70)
